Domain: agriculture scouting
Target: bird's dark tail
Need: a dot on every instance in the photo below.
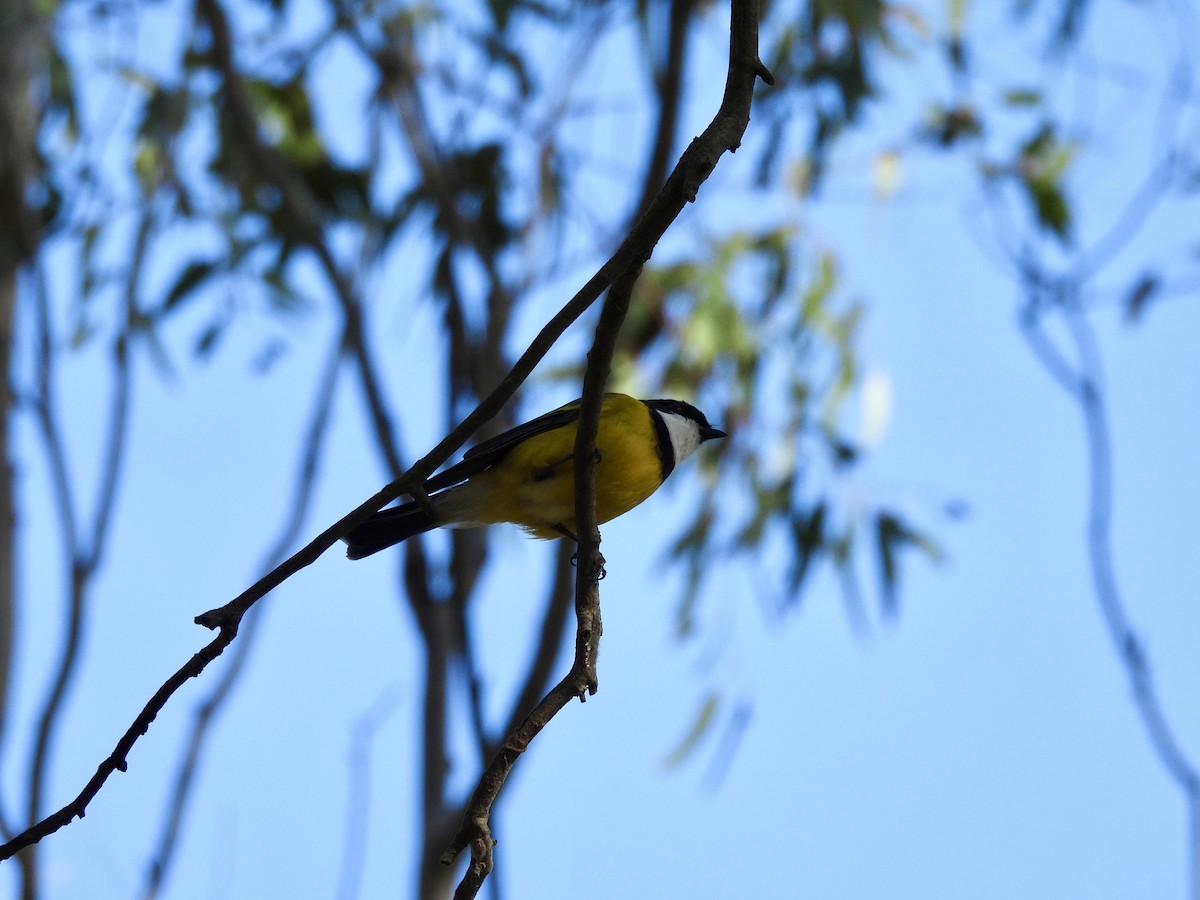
(385, 528)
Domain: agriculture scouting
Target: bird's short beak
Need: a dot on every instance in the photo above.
(707, 433)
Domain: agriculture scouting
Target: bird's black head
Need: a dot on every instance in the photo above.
(687, 411)
(681, 428)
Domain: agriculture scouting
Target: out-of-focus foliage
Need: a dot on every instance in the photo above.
(764, 328)
(824, 56)
(752, 318)
(491, 160)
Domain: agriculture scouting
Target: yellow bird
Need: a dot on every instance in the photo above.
(526, 475)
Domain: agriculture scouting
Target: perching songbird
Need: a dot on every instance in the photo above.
(526, 475)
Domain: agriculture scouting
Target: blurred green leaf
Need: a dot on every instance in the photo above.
(1050, 206)
(285, 111)
(1043, 161)
(893, 535)
(888, 534)
(946, 127)
(1023, 97)
(702, 724)
(62, 89)
(808, 540)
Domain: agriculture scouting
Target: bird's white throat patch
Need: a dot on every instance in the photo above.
(685, 435)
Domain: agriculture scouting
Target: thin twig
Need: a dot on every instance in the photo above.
(117, 761)
(582, 679)
(550, 640)
(1084, 383)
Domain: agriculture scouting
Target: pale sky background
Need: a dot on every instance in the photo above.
(983, 744)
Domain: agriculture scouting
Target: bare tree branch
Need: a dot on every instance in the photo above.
(22, 37)
(117, 760)
(554, 627)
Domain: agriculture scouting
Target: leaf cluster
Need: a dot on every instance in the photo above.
(760, 326)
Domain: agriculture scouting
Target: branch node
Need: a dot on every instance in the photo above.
(421, 498)
(220, 619)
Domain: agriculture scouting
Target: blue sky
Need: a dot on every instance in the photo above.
(982, 744)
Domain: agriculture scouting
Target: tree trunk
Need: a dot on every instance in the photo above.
(21, 40)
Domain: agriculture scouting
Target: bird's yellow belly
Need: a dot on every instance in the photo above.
(538, 483)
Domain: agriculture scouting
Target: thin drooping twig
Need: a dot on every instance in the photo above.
(1080, 375)
(695, 165)
(1083, 382)
(581, 680)
(554, 622)
(64, 503)
(358, 793)
(206, 712)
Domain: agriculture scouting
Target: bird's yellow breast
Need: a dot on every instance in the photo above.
(534, 484)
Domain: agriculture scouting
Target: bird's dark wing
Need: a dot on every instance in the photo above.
(486, 454)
